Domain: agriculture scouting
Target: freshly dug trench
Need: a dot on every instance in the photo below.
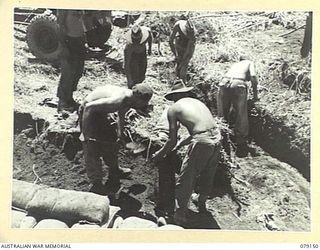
(275, 177)
(236, 201)
(271, 134)
(50, 163)
(279, 141)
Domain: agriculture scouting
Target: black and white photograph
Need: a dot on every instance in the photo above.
(161, 120)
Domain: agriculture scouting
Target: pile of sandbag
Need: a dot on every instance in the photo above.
(68, 206)
(39, 206)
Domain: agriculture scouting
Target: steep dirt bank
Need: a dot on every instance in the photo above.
(280, 120)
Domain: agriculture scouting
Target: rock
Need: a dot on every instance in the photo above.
(130, 145)
(84, 225)
(28, 222)
(170, 227)
(139, 149)
(161, 221)
(136, 147)
(268, 220)
(51, 223)
(16, 218)
(135, 222)
(271, 225)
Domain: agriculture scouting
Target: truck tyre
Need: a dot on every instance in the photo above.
(42, 37)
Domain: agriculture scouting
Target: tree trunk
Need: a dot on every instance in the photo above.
(307, 40)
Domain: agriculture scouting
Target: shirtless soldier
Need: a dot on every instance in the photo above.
(233, 90)
(202, 154)
(135, 54)
(100, 136)
(182, 44)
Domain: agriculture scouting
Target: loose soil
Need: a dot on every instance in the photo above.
(268, 190)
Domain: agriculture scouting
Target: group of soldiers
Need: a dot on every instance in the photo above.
(101, 137)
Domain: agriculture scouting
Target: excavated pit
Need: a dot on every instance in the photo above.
(269, 133)
(55, 158)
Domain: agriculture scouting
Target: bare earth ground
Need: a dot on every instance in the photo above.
(263, 191)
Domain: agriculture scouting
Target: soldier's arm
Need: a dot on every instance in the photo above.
(175, 30)
(254, 81)
(172, 140)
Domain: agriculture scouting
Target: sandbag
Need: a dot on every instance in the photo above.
(170, 227)
(136, 222)
(28, 222)
(85, 226)
(51, 223)
(16, 218)
(23, 192)
(69, 206)
(43, 202)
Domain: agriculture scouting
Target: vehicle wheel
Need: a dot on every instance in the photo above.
(98, 36)
(42, 37)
